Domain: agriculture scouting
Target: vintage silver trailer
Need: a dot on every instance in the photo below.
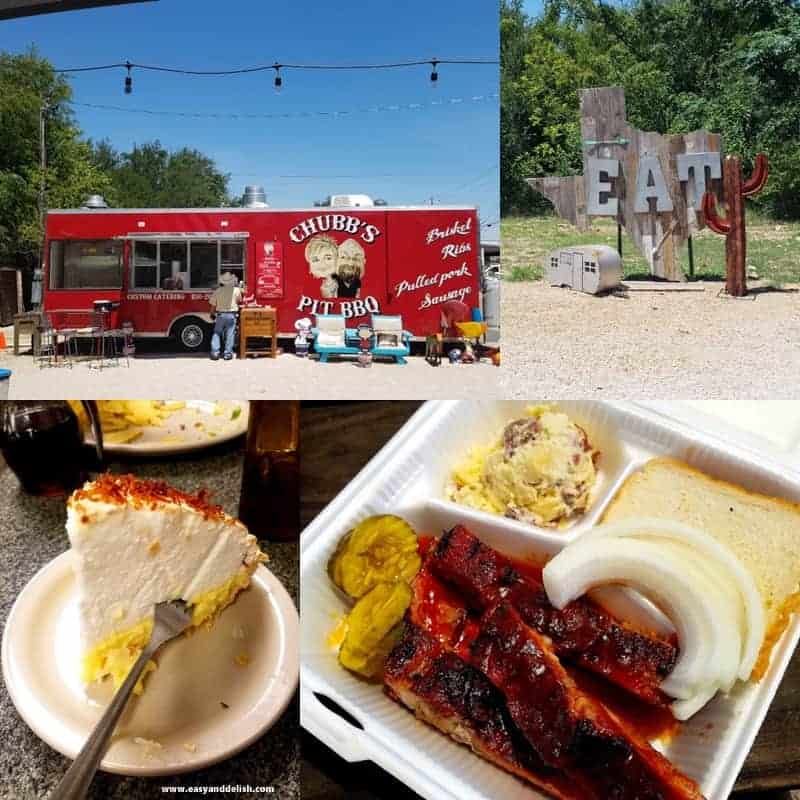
(589, 268)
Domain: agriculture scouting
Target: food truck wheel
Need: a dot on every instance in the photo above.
(192, 333)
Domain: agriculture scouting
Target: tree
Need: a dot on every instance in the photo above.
(104, 156)
(76, 168)
(149, 176)
(729, 66)
(26, 83)
(192, 179)
(544, 64)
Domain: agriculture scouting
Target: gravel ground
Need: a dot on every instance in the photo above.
(177, 375)
(689, 345)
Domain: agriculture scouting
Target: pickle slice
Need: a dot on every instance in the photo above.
(374, 627)
(380, 549)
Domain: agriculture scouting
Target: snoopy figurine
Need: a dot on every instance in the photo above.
(364, 345)
(303, 328)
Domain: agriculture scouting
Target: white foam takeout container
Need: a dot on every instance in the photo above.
(407, 477)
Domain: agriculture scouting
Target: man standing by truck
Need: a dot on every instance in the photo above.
(225, 302)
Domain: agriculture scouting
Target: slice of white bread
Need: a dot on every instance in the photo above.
(762, 531)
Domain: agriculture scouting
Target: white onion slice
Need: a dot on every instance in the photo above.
(730, 622)
(683, 709)
(754, 628)
(683, 592)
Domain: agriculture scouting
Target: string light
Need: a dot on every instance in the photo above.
(278, 80)
(265, 67)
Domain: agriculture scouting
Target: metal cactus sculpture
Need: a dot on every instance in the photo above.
(732, 225)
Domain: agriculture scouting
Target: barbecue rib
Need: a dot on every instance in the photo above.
(582, 633)
(568, 729)
(447, 693)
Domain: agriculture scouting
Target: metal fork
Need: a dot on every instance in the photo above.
(171, 619)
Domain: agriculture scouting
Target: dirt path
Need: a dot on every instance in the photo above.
(286, 377)
(561, 343)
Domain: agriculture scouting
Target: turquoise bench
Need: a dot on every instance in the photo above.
(332, 337)
(389, 340)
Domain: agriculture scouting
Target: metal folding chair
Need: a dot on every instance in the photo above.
(71, 345)
(107, 351)
(46, 353)
(128, 346)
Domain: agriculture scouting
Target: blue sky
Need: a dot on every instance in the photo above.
(448, 152)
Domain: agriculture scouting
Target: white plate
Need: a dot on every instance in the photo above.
(181, 708)
(407, 477)
(183, 425)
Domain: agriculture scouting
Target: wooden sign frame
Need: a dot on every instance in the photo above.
(647, 182)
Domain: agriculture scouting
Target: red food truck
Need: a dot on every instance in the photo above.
(159, 266)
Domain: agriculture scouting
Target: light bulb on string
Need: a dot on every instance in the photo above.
(434, 74)
(128, 79)
(278, 79)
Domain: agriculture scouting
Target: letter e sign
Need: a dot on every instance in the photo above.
(598, 187)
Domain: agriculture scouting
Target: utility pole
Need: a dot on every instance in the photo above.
(36, 286)
(43, 109)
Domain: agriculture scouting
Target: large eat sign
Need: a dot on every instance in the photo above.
(653, 185)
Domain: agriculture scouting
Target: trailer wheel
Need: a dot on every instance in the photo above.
(192, 334)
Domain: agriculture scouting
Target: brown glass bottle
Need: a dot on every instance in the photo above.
(270, 500)
(42, 442)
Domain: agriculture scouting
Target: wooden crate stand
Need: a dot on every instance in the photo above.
(262, 323)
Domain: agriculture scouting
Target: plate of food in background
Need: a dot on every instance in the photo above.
(165, 427)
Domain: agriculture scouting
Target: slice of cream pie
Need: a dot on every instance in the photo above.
(138, 543)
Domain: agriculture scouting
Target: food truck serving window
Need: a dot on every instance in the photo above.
(85, 264)
(184, 265)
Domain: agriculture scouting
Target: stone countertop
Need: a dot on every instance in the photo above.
(31, 534)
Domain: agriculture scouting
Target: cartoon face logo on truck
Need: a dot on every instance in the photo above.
(352, 265)
(339, 266)
(322, 255)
